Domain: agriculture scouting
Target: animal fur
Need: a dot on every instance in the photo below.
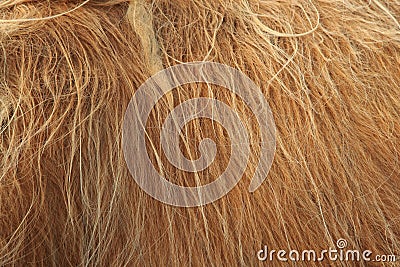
(329, 69)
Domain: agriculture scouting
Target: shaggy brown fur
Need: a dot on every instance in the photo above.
(329, 70)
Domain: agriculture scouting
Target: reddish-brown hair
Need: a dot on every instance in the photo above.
(329, 70)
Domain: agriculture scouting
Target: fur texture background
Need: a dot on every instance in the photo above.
(330, 71)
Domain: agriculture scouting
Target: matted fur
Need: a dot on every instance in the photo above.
(329, 70)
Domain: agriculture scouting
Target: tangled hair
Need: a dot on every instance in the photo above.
(329, 70)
